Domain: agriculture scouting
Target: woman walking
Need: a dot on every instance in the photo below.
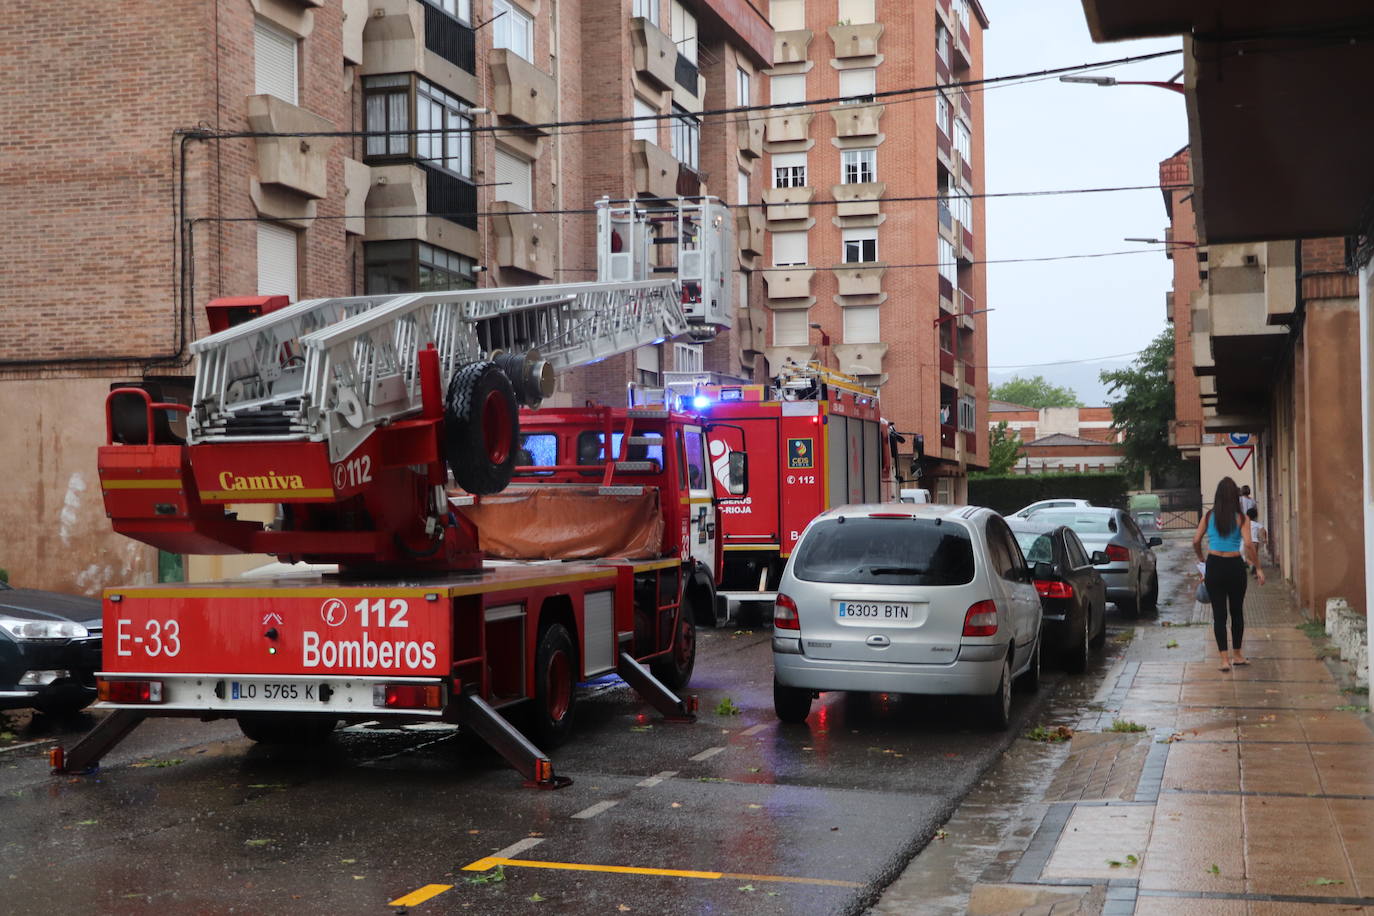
(1228, 534)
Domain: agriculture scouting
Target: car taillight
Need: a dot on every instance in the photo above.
(785, 613)
(1118, 554)
(408, 696)
(981, 619)
(129, 691)
(1048, 589)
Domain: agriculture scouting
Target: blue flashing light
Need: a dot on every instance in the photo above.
(701, 402)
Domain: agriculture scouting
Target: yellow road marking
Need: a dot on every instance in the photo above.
(492, 861)
(173, 484)
(414, 898)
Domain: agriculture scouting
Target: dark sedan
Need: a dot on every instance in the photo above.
(1073, 597)
(49, 650)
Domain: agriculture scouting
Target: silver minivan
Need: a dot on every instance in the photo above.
(902, 598)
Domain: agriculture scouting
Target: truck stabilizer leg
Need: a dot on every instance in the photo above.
(475, 713)
(674, 709)
(85, 756)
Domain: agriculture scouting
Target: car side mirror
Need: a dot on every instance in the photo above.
(1099, 557)
(1043, 570)
(1154, 542)
(738, 474)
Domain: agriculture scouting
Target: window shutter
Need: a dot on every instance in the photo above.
(277, 269)
(741, 187)
(787, 15)
(788, 90)
(789, 248)
(788, 160)
(790, 328)
(645, 130)
(647, 358)
(514, 177)
(858, 82)
(274, 61)
(861, 324)
(857, 12)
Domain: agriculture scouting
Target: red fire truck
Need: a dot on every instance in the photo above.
(348, 415)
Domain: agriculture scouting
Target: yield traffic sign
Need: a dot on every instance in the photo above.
(1240, 455)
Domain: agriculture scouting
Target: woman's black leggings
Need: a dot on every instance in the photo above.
(1225, 578)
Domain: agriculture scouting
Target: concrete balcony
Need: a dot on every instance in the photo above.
(790, 47)
(859, 199)
(520, 90)
(750, 231)
(860, 279)
(655, 54)
(857, 120)
(864, 359)
(749, 136)
(787, 125)
(1245, 287)
(394, 41)
(525, 241)
(788, 283)
(655, 169)
(397, 207)
(787, 203)
(357, 182)
(298, 164)
(856, 40)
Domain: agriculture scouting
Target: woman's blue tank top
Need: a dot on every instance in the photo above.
(1222, 543)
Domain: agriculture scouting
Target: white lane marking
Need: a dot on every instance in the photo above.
(586, 813)
(514, 849)
(655, 780)
(709, 752)
(753, 730)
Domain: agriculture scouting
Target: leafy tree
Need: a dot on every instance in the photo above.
(1143, 406)
(1004, 449)
(1034, 392)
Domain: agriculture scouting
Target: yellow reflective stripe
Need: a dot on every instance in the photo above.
(420, 896)
(173, 484)
(245, 495)
(752, 547)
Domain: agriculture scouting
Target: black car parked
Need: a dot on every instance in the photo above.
(49, 650)
(1073, 597)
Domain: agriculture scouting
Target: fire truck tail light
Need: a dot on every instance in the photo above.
(785, 613)
(130, 691)
(981, 619)
(408, 696)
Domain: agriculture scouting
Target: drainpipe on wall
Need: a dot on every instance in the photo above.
(1367, 442)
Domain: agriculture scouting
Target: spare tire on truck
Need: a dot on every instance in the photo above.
(480, 428)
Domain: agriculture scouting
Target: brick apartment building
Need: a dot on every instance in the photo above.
(846, 239)
(1060, 438)
(129, 209)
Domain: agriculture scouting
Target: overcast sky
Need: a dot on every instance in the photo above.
(1053, 135)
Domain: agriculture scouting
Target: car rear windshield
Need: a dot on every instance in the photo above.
(1080, 522)
(886, 551)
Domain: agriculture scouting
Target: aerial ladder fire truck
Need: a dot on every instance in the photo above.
(349, 415)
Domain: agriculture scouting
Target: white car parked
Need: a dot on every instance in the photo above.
(1035, 507)
(905, 598)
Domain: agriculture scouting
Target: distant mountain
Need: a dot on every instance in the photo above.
(1081, 377)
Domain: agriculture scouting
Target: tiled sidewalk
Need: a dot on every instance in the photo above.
(1256, 793)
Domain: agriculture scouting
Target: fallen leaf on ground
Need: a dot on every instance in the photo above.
(941, 834)
(473, 832)
(535, 898)
(676, 805)
(257, 842)
(1323, 882)
(748, 888)
(623, 908)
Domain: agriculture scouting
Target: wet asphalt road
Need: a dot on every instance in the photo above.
(191, 817)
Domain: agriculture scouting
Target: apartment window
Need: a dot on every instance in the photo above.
(789, 89)
(860, 246)
(514, 178)
(859, 166)
(942, 112)
(790, 328)
(386, 115)
(743, 95)
(789, 170)
(458, 9)
(961, 11)
(861, 324)
(856, 12)
(961, 208)
(647, 9)
(859, 85)
(942, 44)
(967, 413)
(448, 141)
(411, 266)
(949, 267)
(787, 15)
(789, 249)
(742, 294)
(646, 129)
(686, 137)
(947, 333)
(741, 187)
(685, 31)
(512, 28)
(275, 56)
(963, 140)
(277, 261)
(689, 358)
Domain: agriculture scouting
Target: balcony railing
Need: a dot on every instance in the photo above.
(971, 443)
(446, 193)
(948, 436)
(450, 39)
(685, 73)
(946, 218)
(946, 362)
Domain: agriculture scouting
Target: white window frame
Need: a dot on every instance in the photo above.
(741, 187)
(788, 89)
(858, 166)
(961, 12)
(513, 29)
(789, 170)
(645, 130)
(689, 357)
(791, 328)
(945, 258)
(857, 243)
(968, 414)
(744, 90)
(790, 249)
(647, 9)
(961, 208)
(861, 324)
(963, 140)
(861, 94)
(458, 9)
(520, 193)
(276, 62)
(944, 44)
(453, 133)
(686, 138)
(942, 113)
(684, 31)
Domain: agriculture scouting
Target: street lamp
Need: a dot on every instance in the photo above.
(950, 317)
(1180, 242)
(1113, 81)
(825, 345)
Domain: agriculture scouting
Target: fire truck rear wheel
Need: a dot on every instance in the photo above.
(555, 687)
(481, 426)
(675, 669)
(267, 728)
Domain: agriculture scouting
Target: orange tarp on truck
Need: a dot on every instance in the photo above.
(567, 523)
